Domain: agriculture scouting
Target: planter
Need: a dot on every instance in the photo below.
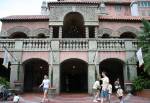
(144, 93)
(51, 92)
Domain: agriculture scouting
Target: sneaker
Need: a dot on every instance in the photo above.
(95, 101)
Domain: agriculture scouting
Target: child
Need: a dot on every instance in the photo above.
(120, 94)
(96, 87)
(16, 98)
(109, 91)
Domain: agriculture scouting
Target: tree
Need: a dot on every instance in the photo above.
(144, 39)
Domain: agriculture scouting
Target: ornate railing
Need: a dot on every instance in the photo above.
(9, 43)
(69, 44)
(73, 44)
(34, 44)
(111, 44)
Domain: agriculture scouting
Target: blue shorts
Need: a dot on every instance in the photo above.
(104, 94)
(45, 89)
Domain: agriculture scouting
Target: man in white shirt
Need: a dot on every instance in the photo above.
(46, 85)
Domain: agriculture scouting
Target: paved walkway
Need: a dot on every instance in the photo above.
(76, 98)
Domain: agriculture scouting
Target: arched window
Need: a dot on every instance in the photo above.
(73, 26)
(18, 35)
(128, 35)
(41, 35)
(105, 36)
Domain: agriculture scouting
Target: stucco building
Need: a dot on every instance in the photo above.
(73, 41)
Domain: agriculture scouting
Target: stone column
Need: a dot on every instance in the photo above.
(55, 62)
(87, 31)
(13, 74)
(96, 31)
(130, 69)
(92, 68)
(60, 31)
(91, 77)
(51, 31)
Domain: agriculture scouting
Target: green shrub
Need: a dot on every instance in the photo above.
(141, 83)
(3, 81)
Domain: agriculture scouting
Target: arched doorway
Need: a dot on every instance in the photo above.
(73, 76)
(114, 69)
(73, 26)
(4, 72)
(34, 71)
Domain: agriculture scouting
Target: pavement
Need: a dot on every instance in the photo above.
(76, 98)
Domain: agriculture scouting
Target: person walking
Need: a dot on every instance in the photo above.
(120, 94)
(109, 91)
(105, 83)
(96, 87)
(46, 84)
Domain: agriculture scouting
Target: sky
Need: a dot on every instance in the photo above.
(20, 7)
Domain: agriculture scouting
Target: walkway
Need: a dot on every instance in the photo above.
(77, 98)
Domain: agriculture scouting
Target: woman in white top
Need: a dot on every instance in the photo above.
(96, 87)
(46, 85)
(16, 98)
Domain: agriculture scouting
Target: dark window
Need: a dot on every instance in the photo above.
(91, 32)
(55, 32)
(118, 8)
(41, 35)
(105, 36)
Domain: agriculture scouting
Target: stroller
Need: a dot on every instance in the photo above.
(4, 93)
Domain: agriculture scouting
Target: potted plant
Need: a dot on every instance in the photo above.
(141, 86)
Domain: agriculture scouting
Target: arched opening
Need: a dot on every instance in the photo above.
(73, 26)
(128, 35)
(73, 76)
(105, 36)
(4, 72)
(114, 69)
(41, 35)
(34, 71)
(18, 35)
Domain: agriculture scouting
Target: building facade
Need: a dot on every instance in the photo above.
(73, 41)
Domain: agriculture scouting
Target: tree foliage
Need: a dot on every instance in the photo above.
(144, 39)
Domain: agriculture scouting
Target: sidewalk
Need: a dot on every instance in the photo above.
(76, 98)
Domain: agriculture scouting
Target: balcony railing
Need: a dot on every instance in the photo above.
(8, 43)
(73, 44)
(69, 44)
(36, 44)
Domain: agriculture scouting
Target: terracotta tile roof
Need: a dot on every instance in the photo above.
(25, 17)
(124, 18)
(91, 1)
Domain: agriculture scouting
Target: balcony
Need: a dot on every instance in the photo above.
(69, 44)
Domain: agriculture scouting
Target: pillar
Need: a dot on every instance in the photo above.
(60, 31)
(55, 64)
(92, 68)
(91, 77)
(87, 31)
(51, 31)
(130, 67)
